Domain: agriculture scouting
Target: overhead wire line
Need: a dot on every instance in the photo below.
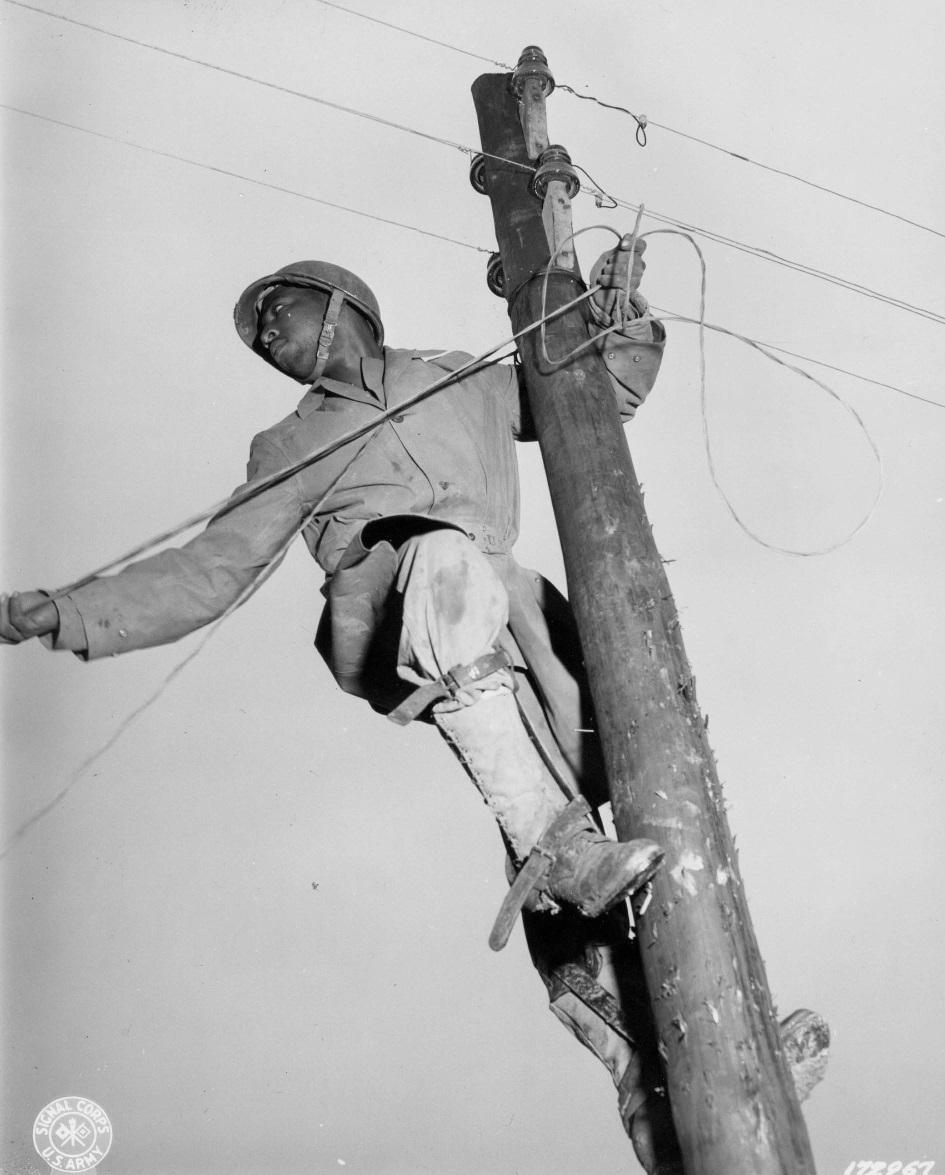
(129, 720)
(246, 77)
(753, 250)
(245, 178)
(409, 227)
(643, 122)
(419, 36)
(600, 195)
(820, 363)
(775, 258)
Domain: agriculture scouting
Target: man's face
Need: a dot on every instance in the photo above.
(288, 325)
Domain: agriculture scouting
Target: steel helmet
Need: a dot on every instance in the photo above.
(316, 275)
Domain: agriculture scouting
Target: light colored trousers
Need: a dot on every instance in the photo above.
(456, 608)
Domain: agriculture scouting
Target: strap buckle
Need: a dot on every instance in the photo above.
(449, 685)
(327, 334)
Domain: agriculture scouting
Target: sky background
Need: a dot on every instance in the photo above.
(166, 950)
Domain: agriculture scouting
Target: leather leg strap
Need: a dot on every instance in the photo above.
(580, 982)
(449, 685)
(631, 1090)
(530, 876)
(534, 871)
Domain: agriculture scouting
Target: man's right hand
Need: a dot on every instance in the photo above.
(619, 273)
(26, 614)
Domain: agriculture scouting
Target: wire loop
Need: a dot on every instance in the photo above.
(556, 364)
(703, 326)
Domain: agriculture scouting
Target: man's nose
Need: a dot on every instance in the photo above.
(267, 334)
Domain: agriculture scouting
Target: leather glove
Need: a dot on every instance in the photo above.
(26, 614)
(619, 272)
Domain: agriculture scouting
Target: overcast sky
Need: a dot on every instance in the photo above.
(255, 931)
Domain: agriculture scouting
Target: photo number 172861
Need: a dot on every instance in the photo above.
(897, 1167)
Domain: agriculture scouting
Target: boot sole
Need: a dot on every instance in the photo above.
(639, 879)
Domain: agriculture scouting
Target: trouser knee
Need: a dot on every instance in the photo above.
(454, 604)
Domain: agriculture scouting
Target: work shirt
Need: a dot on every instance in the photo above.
(449, 459)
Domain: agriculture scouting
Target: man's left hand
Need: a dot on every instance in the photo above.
(26, 614)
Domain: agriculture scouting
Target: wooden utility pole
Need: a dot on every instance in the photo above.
(733, 1102)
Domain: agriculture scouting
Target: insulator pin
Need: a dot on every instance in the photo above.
(555, 164)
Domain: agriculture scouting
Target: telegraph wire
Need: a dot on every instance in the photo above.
(245, 77)
(640, 119)
(775, 258)
(703, 326)
(132, 717)
(245, 178)
(503, 65)
(753, 250)
(830, 366)
(643, 122)
(411, 228)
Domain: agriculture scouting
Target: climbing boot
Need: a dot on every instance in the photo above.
(589, 870)
(593, 973)
(562, 855)
(575, 864)
(596, 989)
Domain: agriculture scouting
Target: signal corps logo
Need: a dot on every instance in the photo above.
(72, 1134)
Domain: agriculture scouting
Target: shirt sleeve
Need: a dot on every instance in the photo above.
(175, 592)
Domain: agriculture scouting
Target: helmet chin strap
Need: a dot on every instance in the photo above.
(327, 335)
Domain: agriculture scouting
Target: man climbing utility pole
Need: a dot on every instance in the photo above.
(734, 1107)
